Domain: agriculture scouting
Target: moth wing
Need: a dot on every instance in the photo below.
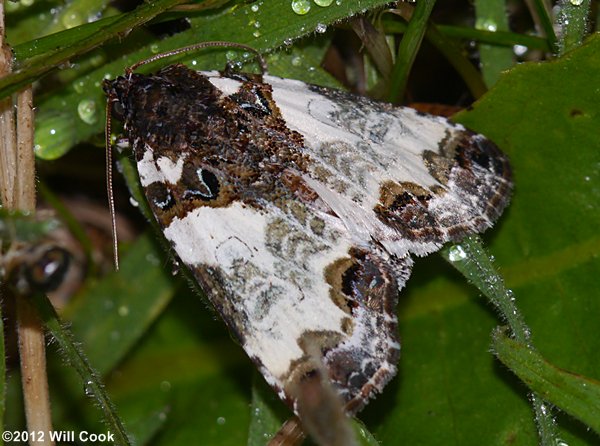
(294, 288)
(410, 180)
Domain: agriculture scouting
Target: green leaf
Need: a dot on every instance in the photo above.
(119, 310)
(575, 394)
(267, 413)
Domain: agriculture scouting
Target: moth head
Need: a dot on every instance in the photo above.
(117, 92)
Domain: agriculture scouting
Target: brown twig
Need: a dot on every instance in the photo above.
(17, 164)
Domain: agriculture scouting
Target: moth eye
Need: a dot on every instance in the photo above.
(160, 196)
(118, 111)
(200, 183)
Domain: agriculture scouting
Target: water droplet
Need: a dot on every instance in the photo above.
(338, 2)
(519, 50)
(301, 7)
(133, 202)
(123, 310)
(576, 2)
(79, 86)
(296, 61)
(457, 253)
(487, 25)
(221, 421)
(162, 416)
(165, 386)
(323, 3)
(71, 20)
(154, 48)
(586, 178)
(88, 388)
(254, 8)
(230, 55)
(256, 33)
(287, 42)
(86, 109)
(321, 28)
(27, 2)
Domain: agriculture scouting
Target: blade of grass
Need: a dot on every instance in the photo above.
(573, 17)
(120, 26)
(541, 15)
(576, 395)
(491, 16)
(470, 259)
(74, 356)
(497, 38)
(75, 13)
(452, 52)
(409, 46)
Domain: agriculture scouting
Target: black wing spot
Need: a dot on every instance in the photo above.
(200, 183)
(160, 196)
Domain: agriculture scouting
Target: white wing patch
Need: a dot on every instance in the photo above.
(234, 239)
(161, 169)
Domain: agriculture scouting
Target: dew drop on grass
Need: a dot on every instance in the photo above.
(71, 20)
(457, 253)
(87, 111)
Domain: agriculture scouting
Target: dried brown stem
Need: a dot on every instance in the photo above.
(17, 188)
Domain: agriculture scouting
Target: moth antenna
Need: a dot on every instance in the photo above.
(199, 46)
(109, 185)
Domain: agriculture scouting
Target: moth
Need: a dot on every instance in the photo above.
(298, 209)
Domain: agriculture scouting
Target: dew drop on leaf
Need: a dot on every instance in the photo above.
(123, 310)
(301, 7)
(323, 3)
(321, 28)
